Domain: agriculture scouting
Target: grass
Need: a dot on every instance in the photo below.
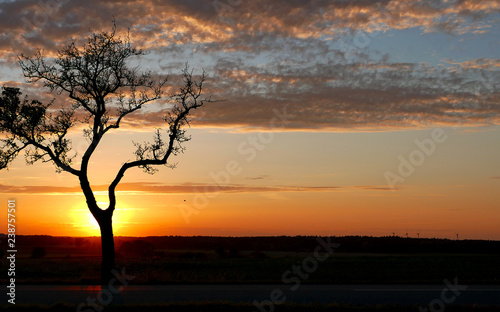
(338, 269)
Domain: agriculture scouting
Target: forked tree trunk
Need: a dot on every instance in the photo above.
(107, 246)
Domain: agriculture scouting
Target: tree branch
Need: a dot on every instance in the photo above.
(29, 124)
(155, 154)
(96, 77)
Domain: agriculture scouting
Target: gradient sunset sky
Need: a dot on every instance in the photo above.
(363, 117)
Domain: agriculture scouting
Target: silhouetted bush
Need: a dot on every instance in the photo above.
(38, 253)
(192, 255)
(137, 248)
(231, 253)
(257, 254)
(220, 252)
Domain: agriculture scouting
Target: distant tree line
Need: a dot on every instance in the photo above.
(358, 244)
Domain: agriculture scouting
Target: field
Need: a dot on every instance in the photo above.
(204, 260)
(205, 267)
(181, 261)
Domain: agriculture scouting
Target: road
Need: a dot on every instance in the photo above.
(357, 294)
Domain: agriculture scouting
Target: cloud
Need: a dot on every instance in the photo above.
(158, 188)
(341, 96)
(237, 24)
(356, 96)
(308, 58)
(480, 63)
(261, 177)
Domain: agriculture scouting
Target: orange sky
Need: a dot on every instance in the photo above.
(368, 118)
(334, 188)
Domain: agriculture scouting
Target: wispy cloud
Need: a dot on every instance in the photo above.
(260, 177)
(158, 188)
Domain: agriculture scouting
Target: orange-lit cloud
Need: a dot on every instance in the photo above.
(331, 86)
(374, 96)
(156, 188)
(480, 63)
(159, 23)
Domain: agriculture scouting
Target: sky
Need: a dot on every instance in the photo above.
(363, 117)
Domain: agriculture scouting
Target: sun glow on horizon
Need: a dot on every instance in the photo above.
(339, 125)
(87, 225)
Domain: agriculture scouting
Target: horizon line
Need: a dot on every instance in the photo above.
(260, 236)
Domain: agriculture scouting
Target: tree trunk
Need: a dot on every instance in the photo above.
(108, 246)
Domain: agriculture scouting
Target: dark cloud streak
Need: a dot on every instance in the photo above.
(158, 188)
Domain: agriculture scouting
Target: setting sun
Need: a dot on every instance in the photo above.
(345, 126)
(84, 222)
(86, 225)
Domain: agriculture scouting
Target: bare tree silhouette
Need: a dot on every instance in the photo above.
(103, 91)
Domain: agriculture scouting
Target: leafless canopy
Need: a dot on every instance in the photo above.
(104, 90)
